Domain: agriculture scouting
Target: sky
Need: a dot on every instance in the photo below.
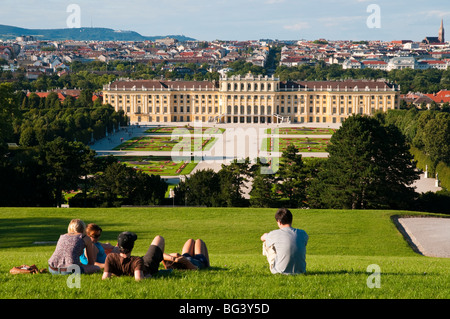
(241, 20)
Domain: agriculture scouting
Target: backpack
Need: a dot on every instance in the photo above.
(25, 269)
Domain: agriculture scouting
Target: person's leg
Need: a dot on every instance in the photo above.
(160, 242)
(188, 247)
(270, 253)
(90, 269)
(154, 255)
(201, 249)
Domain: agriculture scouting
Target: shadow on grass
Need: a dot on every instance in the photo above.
(22, 232)
(165, 273)
(38, 232)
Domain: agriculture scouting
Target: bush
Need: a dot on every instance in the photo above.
(438, 202)
(79, 200)
(444, 175)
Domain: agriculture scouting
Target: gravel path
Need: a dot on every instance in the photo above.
(430, 236)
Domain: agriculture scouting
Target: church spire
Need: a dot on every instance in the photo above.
(441, 32)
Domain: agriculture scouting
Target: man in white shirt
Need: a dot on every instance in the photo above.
(285, 247)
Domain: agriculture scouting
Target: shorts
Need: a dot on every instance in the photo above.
(198, 260)
(65, 271)
(152, 259)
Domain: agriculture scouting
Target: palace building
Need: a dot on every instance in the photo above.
(249, 99)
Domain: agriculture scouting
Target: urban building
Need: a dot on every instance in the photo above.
(439, 39)
(249, 99)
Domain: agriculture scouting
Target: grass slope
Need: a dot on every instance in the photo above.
(342, 245)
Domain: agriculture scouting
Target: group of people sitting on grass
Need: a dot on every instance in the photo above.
(285, 249)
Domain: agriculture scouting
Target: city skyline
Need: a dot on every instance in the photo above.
(241, 20)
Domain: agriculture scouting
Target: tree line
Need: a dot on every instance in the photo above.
(53, 157)
(427, 130)
(410, 80)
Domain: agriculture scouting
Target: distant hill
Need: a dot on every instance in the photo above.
(81, 34)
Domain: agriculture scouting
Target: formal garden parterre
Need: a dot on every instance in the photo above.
(158, 165)
(165, 143)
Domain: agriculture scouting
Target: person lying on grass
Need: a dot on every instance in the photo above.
(194, 255)
(123, 264)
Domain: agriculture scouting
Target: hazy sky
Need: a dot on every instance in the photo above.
(241, 19)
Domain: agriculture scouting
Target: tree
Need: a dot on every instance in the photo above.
(436, 137)
(202, 188)
(293, 177)
(147, 189)
(65, 162)
(69, 101)
(8, 110)
(85, 99)
(264, 186)
(232, 182)
(23, 181)
(369, 166)
(114, 184)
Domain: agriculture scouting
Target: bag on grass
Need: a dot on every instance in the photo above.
(25, 269)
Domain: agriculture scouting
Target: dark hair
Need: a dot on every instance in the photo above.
(93, 228)
(284, 216)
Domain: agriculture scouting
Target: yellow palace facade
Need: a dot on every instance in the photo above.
(249, 99)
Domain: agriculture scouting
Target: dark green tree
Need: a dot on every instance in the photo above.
(436, 139)
(115, 184)
(293, 177)
(233, 179)
(264, 185)
(65, 163)
(369, 166)
(8, 110)
(147, 189)
(202, 188)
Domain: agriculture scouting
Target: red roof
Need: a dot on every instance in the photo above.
(435, 62)
(374, 62)
(62, 94)
(440, 97)
(61, 97)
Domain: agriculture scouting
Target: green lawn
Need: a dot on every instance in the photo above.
(301, 131)
(342, 245)
(301, 143)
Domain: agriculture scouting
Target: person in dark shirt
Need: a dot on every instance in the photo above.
(123, 264)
